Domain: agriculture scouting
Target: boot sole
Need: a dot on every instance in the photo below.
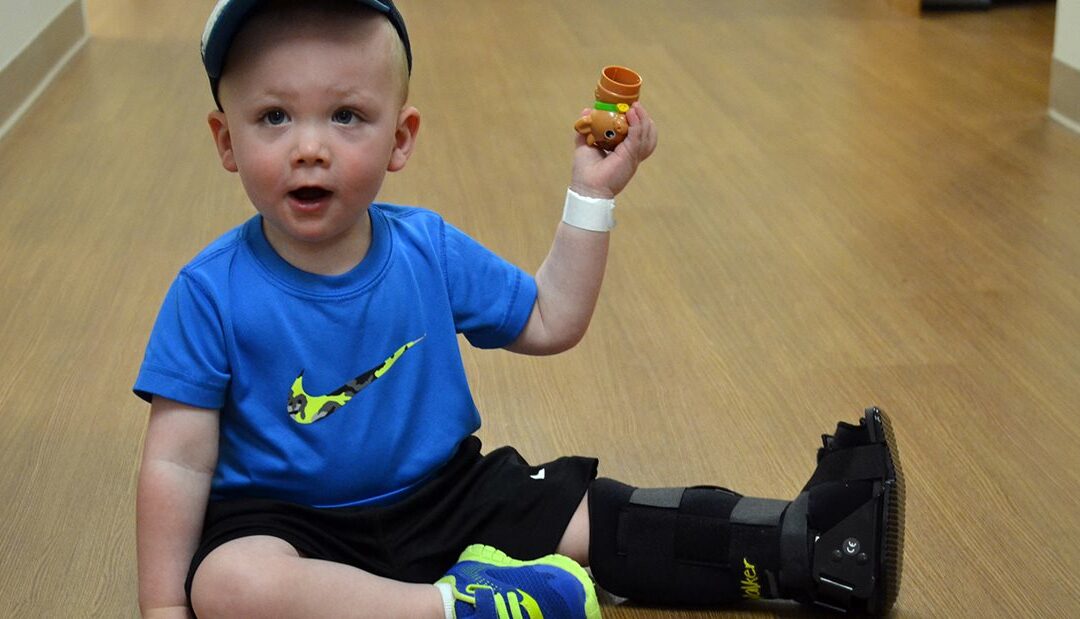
(891, 548)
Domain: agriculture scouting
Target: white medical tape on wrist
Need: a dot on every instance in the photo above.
(595, 214)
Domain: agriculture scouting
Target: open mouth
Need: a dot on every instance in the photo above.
(308, 195)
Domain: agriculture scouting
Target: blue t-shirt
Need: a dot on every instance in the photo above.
(334, 390)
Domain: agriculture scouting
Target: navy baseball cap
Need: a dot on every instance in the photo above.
(229, 15)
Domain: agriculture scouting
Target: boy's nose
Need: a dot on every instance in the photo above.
(310, 151)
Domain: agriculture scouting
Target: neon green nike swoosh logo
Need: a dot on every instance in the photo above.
(305, 408)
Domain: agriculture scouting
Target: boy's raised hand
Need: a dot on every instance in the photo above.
(600, 174)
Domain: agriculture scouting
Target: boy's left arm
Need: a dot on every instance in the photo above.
(568, 281)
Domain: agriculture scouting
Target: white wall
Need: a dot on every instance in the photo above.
(21, 21)
(1066, 33)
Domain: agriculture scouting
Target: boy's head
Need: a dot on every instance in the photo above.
(229, 17)
(312, 112)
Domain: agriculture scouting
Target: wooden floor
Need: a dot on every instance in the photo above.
(851, 204)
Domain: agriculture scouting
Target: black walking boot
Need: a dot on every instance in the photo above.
(838, 545)
(843, 536)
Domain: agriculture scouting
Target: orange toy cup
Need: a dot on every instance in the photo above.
(605, 127)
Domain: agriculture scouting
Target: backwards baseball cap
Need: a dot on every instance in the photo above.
(229, 15)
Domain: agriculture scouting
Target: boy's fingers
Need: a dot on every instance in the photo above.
(643, 128)
(648, 132)
(642, 136)
(579, 139)
(648, 141)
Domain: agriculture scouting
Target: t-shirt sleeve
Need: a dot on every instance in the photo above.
(186, 357)
(491, 298)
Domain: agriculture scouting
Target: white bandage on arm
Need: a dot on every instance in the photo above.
(596, 214)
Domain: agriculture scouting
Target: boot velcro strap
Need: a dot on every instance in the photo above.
(758, 512)
(755, 545)
(669, 498)
(852, 464)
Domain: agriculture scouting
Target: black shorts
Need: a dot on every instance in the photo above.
(497, 499)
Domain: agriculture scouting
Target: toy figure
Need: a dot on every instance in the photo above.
(616, 91)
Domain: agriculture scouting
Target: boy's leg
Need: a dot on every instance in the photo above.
(264, 576)
(575, 540)
(838, 544)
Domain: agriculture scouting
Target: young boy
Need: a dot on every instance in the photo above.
(310, 449)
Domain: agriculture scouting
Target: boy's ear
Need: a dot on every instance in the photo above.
(219, 127)
(405, 138)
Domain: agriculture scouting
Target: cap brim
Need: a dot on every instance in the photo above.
(221, 27)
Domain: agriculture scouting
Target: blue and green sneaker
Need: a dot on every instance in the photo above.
(488, 584)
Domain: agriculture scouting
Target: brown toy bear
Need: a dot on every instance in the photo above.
(606, 126)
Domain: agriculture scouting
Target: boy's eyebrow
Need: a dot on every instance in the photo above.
(275, 93)
(351, 92)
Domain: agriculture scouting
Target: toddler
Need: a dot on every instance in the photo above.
(310, 449)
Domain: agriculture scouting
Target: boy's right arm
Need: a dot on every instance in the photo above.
(179, 456)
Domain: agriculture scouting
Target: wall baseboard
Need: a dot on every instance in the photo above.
(1065, 94)
(29, 73)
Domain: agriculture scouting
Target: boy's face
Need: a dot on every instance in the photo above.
(313, 119)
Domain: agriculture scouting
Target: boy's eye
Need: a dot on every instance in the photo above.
(344, 117)
(275, 117)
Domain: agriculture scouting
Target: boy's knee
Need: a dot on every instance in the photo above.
(238, 578)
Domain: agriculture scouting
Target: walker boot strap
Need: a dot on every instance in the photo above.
(685, 546)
